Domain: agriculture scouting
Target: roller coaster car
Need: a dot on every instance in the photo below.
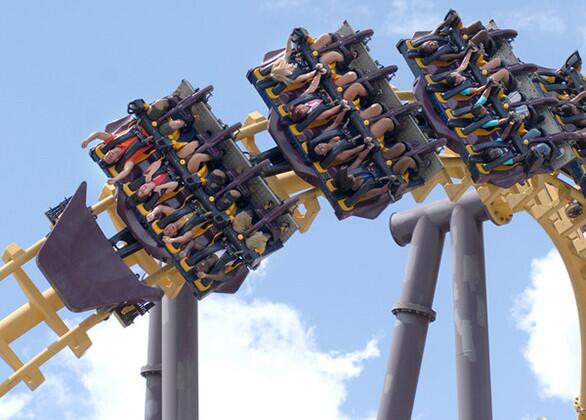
(235, 258)
(199, 212)
(296, 139)
(454, 116)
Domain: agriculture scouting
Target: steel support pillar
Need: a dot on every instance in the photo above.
(413, 314)
(470, 316)
(153, 409)
(180, 368)
(424, 227)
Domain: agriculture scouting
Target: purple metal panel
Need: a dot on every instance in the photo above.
(79, 262)
(117, 124)
(304, 171)
(235, 280)
(138, 231)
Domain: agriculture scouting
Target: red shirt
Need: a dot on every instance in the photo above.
(159, 179)
(127, 143)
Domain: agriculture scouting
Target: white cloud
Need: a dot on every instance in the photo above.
(14, 405)
(110, 372)
(538, 21)
(253, 277)
(546, 310)
(266, 349)
(257, 359)
(407, 17)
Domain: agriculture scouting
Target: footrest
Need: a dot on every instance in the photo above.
(80, 263)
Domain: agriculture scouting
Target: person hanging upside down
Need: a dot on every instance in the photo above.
(159, 107)
(116, 153)
(156, 181)
(184, 222)
(349, 179)
(184, 150)
(501, 77)
(309, 102)
(571, 108)
(285, 71)
(204, 267)
(441, 48)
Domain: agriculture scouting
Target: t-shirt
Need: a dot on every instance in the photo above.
(126, 144)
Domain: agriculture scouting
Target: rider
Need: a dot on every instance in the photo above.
(116, 153)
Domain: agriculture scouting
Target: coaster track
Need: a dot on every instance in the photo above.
(545, 197)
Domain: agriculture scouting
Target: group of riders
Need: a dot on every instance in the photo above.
(186, 225)
(480, 96)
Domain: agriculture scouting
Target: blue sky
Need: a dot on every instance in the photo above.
(69, 67)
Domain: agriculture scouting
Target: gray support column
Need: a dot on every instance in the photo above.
(470, 317)
(153, 409)
(180, 370)
(413, 314)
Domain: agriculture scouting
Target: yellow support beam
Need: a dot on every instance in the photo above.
(37, 301)
(31, 368)
(32, 378)
(24, 257)
(26, 317)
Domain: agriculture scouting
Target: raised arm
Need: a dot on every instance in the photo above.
(160, 209)
(448, 57)
(219, 277)
(305, 77)
(347, 155)
(191, 245)
(123, 174)
(465, 62)
(328, 113)
(152, 168)
(101, 135)
(339, 118)
(183, 239)
(507, 131)
(313, 85)
(289, 47)
(445, 23)
(360, 158)
(578, 97)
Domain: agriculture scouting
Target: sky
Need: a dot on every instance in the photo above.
(309, 333)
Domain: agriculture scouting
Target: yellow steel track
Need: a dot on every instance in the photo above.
(544, 197)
